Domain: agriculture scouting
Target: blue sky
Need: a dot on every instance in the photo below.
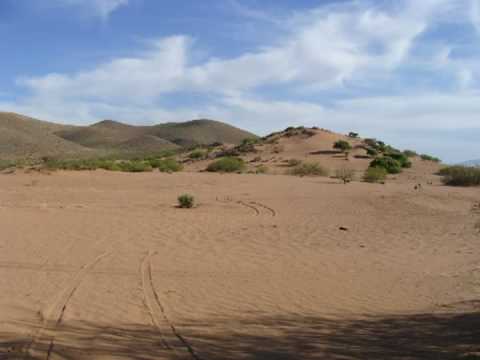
(405, 71)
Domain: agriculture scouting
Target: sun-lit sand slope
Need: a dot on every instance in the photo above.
(104, 266)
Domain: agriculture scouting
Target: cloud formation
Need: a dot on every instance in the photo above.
(101, 8)
(344, 67)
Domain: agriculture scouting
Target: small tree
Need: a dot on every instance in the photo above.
(343, 146)
(353, 135)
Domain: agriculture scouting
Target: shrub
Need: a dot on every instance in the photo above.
(401, 158)
(135, 166)
(344, 174)
(461, 175)
(353, 135)
(227, 164)
(197, 155)
(342, 145)
(6, 164)
(186, 201)
(308, 169)
(372, 152)
(166, 165)
(293, 162)
(261, 169)
(375, 175)
(391, 165)
(410, 153)
(426, 157)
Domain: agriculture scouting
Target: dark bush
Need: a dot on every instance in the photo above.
(186, 201)
(227, 164)
(166, 165)
(410, 153)
(198, 155)
(426, 157)
(401, 158)
(342, 145)
(353, 135)
(461, 175)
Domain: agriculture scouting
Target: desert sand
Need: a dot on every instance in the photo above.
(97, 265)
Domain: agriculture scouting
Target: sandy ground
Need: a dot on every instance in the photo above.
(104, 266)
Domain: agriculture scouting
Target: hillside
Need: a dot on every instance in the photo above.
(24, 137)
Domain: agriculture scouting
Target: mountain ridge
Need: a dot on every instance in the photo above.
(26, 137)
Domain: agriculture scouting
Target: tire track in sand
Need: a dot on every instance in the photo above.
(54, 315)
(268, 208)
(158, 314)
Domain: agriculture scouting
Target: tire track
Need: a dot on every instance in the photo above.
(268, 208)
(250, 206)
(158, 314)
(54, 316)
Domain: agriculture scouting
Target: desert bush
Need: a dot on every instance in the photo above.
(375, 175)
(308, 169)
(391, 165)
(401, 158)
(197, 155)
(372, 152)
(227, 164)
(261, 169)
(342, 145)
(353, 135)
(293, 162)
(186, 201)
(410, 153)
(134, 166)
(426, 157)
(460, 175)
(344, 174)
(166, 165)
(6, 164)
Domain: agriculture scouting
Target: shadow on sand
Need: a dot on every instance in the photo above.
(421, 336)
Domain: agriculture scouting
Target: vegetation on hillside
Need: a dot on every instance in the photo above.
(459, 175)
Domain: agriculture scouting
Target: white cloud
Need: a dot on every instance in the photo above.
(475, 14)
(101, 8)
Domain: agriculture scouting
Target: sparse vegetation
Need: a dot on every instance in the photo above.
(6, 164)
(293, 162)
(460, 175)
(375, 175)
(353, 135)
(410, 153)
(308, 169)
(186, 201)
(345, 174)
(426, 157)
(198, 154)
(166, 165)
(227, 164)
(401, 158)
(261, 169)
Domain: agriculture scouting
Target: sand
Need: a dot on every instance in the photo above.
(98, 265)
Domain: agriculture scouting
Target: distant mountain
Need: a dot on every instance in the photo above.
(22, 136)
(472, 163)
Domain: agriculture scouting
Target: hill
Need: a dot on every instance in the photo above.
(25, 137)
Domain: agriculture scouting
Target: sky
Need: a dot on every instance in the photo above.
(403, 71)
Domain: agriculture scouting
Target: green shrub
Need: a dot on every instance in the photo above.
(166, 165)
(134, 166)
(227, 164)
(410, 153)
(426, 157)
(461, 175)
(344, 174)
(353, 135)
(372, 152)
(401, 158)
(375, 175)
(308, 169)
(186, 201)
(342, 145)
(6, 164)
(391, 165)
(197, 155)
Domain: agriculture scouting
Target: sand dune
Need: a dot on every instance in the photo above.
(98, 265)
